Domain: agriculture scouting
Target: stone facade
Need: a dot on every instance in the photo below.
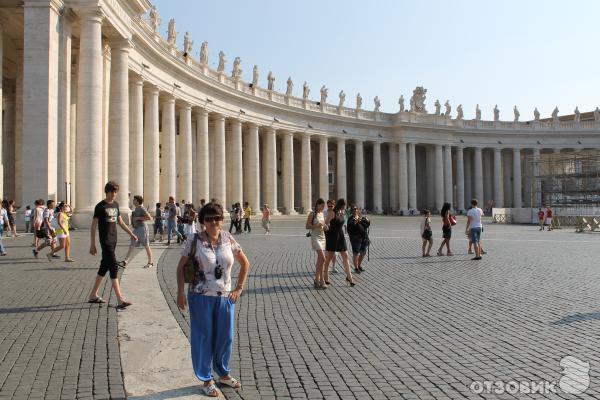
(91, 92)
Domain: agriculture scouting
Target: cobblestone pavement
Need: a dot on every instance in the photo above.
(413, 327)
(53, 344)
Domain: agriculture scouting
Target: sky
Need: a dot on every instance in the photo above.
(526, 53)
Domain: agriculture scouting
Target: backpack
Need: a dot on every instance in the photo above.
(190, 267)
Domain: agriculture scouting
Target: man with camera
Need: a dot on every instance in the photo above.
(358, 231)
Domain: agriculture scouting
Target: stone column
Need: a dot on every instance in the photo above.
(8, 145)
(377, 188)
(220, 176)
(439, 177)
(89, 116)
(184, 188)
(168, 176)
(517, 202)
(460, 179)
(498, 183)
(270, 169)
(448, 192)
(478, 167)
(19, 161)
(202, 156)
(235, 158)
(252, 168)
(359, 174)
(2, 160)
(118, 123)
(305, 178)
(151, 149)
(340, 170)
(288, 173)
(136, 137)
(468, 168)
(537, 183)
(64, 109)
(323, 168)
(393, 176)
(412, 177)
(403, 178)
(507, 176)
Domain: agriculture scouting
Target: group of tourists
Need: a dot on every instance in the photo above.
(545, 218)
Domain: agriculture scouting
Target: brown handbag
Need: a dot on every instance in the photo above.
(191, 266)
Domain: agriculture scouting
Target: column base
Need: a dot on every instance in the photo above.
(275, 212)
(292, 212)
(82, 219)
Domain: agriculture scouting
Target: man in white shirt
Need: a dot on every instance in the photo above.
(474, 226)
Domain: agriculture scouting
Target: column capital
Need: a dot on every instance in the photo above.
(136, 79)
(167, 98)
(498, 149)
(90, 13)
(340, 139)
(219, 117)
(235, 121)
(183, 105)
(200, 111)
(57, 5)
(151, 89)
(120, 44)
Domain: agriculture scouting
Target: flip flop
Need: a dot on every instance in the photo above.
(210, 390)
(123, 305)
(232, 382)
(97, 300)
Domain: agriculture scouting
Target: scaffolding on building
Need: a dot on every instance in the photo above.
(567, 181)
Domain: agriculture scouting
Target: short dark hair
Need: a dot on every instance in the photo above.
(473, 202)
(158, 204)
(111, 187)
(246, 203)
(210, 209)
(49, 202)
(27, 207)
(340, 204)
(139, 199)
(202, 201)
(425, 212)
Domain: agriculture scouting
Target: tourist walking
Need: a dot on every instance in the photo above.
(189, 228)
(211, 298)
(27, 218)
(62, 232)
(266, 219)
(37, 222)
(335, 242)
(159, 223)
(358, 232)
(541, 218)
(233, 216)
(315, 222)
(474, 227)
(12, 214)
(330, 205)
(139, 216)
(247, 215)
(49, 232)
(172, 212)
(106, 217)
(448, 221)
(4, 224)
(549, 218)
(426, 233)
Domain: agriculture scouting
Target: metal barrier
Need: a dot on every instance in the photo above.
(501, 219)
(580, 223)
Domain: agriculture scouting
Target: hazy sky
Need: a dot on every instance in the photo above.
(527, 53)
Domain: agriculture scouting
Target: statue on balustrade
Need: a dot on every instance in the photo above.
(154, 18)
(555, 115)
(270, 81)
(477, 113)
(358, 101)
(171, 33)
(222, 61)
(417, 101)
(401, 103)
(204, 53)
(496, 113)
(342, 97)
(448, 108)
(187, 44)
(377, 104)
(517, 114)
(324, 91)
(236, 72)
(290, 86)
(255, 76)
(305, 91)
(459, 112)
(597, 115)
(577, 117)
(437, 106)
(536, 114)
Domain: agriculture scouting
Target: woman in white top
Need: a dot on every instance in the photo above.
(315, 222)
(27, 218)
(474, 227)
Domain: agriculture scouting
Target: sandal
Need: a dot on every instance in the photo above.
(122, 264)
(97, 300)
(123, 305)
(149, 265)
(210, 390)
(231, 382)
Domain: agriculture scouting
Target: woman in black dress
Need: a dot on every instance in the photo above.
(335, 240)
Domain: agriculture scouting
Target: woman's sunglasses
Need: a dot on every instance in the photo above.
(213, 218)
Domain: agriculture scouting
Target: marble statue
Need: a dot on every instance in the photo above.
(377, 104)
(517, 114)
(417, 102)
(222, 61)
(358, 102)
(555, 115)
(270, 81)
(187, 44)
(255, 76)
(236, 72)
(597, 115)
(437, 106)
(536, 114)
(477, 113)
(204, 53)
(342, 97)
(496, 113)
(305, 91)
(401, 103)
(448, 108)
(171, 33)
(577, 117)
(459, 112)
(290, 86)
(154, 18)
(324, 91)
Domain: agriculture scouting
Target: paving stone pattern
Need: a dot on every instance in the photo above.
(53, 344)
(413, 327)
